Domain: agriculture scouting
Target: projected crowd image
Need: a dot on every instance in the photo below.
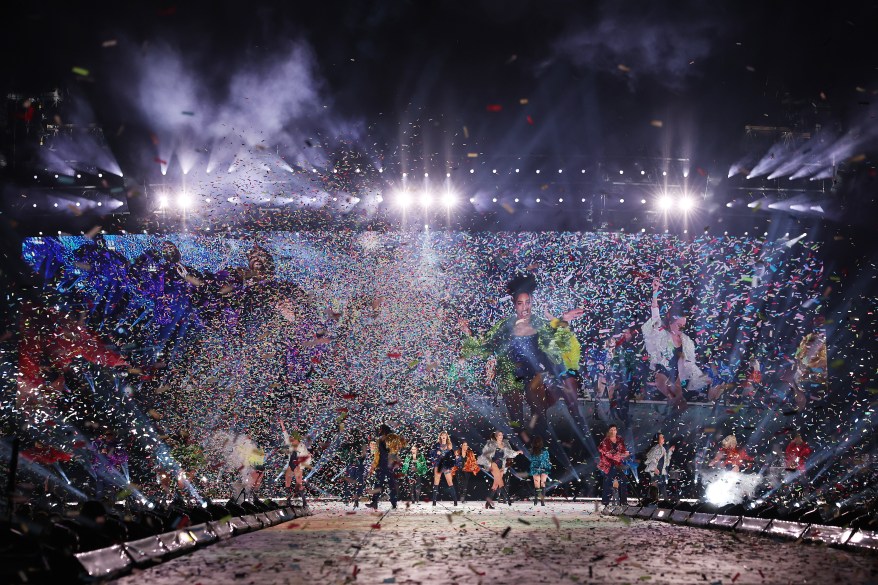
(192, 367)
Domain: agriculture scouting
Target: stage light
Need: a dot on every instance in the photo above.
(426, 175)
(35, 176)
(55, 204)
(685, 174)
(516, 199)
(448, 199)
(379, 198)
(447, 175)
(78, 176)
(516, 170)
(746, 233)
(729, 204)
(494, 171)
(583, 199)
(100, 175)
(642, 172)
(78, 204)
(403, 198)
(686, 203)
(494, 200)
(426, 200)
(665, 202)
(621, 172)
(404, 175)
(538, 171)
(472, 199)
(621, 200)
(379, 170)
(560, 171)
(664, 173)
(643, 201)
(207, 200)
(560, 200)
(184, 201)
(471, 171)
(583, 171)
(538, 199)
(685, 231)
(56, 176)
(642, 230)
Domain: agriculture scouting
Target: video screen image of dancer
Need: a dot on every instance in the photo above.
(267, 362)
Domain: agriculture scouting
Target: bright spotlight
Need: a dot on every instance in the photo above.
(184, 201)
(426, 200)
(448, 199)
(686, 203)
(403, 198)
(665, 202)
(163, 201)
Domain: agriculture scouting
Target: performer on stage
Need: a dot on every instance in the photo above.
(494, 455)
(300, 458)
(539, 469)
(388, 445)
(528, 352)
(466, 465)
(658, 460)
(612, 466)
(730, 456)
(671, 352)
(442, 460)
(355, 474)
(414, 469)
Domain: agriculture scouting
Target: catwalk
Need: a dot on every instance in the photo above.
(560, 543)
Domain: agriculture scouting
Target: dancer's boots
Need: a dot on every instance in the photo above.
(435, 493)
(454, 495)
(536, 495)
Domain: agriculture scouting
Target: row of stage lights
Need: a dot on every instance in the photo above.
(405, 199)
(517, 171)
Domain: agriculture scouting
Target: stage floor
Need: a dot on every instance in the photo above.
(560, 543)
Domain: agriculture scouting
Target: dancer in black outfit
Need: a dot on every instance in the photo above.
(443, 461)
(389, 445)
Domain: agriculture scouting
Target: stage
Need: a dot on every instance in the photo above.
(559, 543)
